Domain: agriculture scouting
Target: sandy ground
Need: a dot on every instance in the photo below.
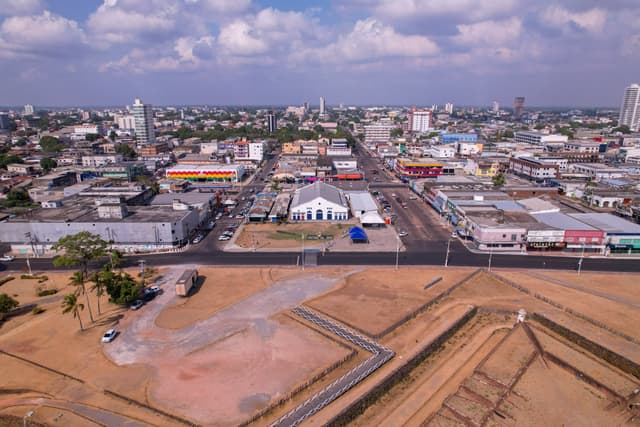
(229, 349)
(374, 299)
(545, 394)
(254, 357)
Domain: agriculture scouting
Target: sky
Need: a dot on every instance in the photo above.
(285, 52)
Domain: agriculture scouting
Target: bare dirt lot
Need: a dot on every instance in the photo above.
(375, 299)
(233, 348)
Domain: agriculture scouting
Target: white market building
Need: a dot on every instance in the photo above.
(319, 202)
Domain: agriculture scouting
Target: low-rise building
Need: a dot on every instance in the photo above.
(534, 169)
(217, 173)
(101, 160)
(319, 202)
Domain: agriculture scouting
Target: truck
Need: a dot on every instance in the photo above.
(186, 282)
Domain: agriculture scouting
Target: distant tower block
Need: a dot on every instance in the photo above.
(518, 107)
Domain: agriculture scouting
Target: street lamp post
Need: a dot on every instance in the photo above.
(397, 250)
(490, 256)
(580, 260)
(446, 259)
(302, 253)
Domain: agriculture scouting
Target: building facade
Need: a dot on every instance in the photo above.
(319, 202)
(143, 122)
(630, 108)
(533, 168)
(416, 169)
(420, 120)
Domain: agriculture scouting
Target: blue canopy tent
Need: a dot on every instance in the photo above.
(358, 235)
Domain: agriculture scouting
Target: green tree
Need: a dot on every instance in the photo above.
(17, 197)
(112, 135)
(121, 287)
(80, 250)
(623, 129)
(50, 144)
(47, 163)
(126, 151)
(70, 304)
(99, 285)
(79, 281)
(7, 304)
(7, 159)
(498, 180)
(92, 137)
(396, 132)
(508, 134)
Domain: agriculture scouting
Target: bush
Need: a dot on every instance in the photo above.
(37, 310)
(28, 276)
(6, 279)
(46, 292)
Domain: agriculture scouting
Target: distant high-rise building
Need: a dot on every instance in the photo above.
(306, 106)
(419, 120)
(496, 107)
(448, 107)
(518, 107)
(29, 110)
(4, 121)
(86, 115)
(321, 105)
(272, 121)
(630, 108)
(143, 121)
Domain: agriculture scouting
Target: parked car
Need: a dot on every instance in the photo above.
(197, 239)
(7, 258)
(403, 234)
(454, 235)
(137, 304)
(155, 289)
(413, 197)
(110, 335)
(224, 238)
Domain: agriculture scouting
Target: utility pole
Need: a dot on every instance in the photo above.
(302, 254)
(397, 251)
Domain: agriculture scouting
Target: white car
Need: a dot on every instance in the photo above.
(454, 235)
(224, 238)
(403, 234)
(110, 335)
(7, 258)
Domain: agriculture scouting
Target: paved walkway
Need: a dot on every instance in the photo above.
(340, 386)
(141, 341)
(98, 415)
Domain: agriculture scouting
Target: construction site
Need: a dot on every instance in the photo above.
(339, 346)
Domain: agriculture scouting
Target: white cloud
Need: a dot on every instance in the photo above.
(225, 7)
(269, 31)
(592, 20)
(370, 40)
(240, 38)
(20, 7)
(492, 33)
(463, 9)
(41, 35)
(130, 21)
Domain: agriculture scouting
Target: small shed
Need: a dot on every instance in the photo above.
(358, 235)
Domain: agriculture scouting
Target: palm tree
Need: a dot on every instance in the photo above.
(70, 304)
(78, 280)
(98, 286)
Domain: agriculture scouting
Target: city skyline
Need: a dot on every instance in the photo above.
(364, 52)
